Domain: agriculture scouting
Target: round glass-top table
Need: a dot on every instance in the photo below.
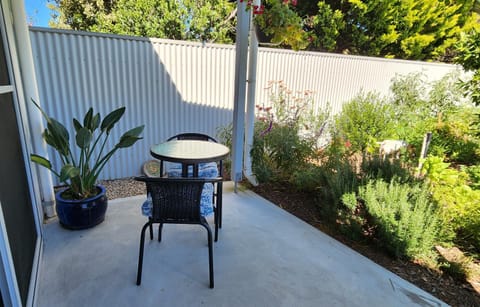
(189, 152)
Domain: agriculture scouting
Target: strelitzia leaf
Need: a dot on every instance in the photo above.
(87, 120)
(56, 135)
(83, 138)
(76, 125)
(130, 137)
(58, 131)
(68, 171)
(95, 122)
(111, 119)
(41, 161)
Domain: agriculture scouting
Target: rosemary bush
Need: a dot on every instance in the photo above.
(406, 218)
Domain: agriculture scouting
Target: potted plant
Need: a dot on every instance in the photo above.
(82, 203)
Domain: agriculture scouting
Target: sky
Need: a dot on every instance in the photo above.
(37, 12)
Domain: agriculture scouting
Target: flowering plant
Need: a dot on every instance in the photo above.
(286, 132)
(292, 109)
(281, 23)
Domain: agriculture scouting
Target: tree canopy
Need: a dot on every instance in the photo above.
(407, 29)
(201, 20)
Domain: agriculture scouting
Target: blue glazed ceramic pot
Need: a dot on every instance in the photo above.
(81, 214)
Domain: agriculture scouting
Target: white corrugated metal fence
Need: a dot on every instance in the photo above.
(177, 86)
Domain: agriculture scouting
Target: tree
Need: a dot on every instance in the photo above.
(408, 29)
(405, 29)
(78, 14)
(201, 20)
(283, 24)
(468, 55)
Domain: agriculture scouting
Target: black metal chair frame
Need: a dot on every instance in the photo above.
(175, 201)
(217, 195)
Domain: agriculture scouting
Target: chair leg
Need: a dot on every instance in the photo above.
(210, 253)
(219, 203)
(160, 227)
(151, 229)
(215, 220)
(140, 255)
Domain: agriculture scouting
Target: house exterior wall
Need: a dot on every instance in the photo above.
(177, 86)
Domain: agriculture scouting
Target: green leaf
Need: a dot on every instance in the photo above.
(130, 137)
(76, 125)
(41, 161)
(69, 171)
(111, 119)
(87, 120)
(56, 135)
(83, 138)
(95, 122)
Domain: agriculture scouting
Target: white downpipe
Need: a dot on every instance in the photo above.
(44, 186)
(250, 119)
(241, 54)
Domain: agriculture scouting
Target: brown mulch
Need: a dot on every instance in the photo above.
(452, 291)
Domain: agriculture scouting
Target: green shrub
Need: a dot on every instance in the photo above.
(459, 204)
(405, 217)
(452, 137)
(468, 55)
(438, 107)
(339, 178)
(473, 172)
(365, 120)
(351, 218)
(279, 152)
(308, 179)
(375, 167)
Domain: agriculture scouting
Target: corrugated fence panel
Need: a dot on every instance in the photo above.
(176, 86)
(335, 78)
(165, 85)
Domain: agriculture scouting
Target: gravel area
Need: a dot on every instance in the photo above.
(126, 187)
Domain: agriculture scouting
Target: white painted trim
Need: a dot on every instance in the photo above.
(6, 89)
(31, 118)
(16, 30)
(33, 286)
(8, 279)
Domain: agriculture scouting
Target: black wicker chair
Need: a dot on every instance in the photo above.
(217, 196)
(175, 201)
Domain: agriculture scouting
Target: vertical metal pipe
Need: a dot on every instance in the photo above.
(250, 119)
(239, 93)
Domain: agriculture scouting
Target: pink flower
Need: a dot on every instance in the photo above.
(294, 2)
(348, 144)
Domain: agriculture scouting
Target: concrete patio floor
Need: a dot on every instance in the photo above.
(264, 257)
